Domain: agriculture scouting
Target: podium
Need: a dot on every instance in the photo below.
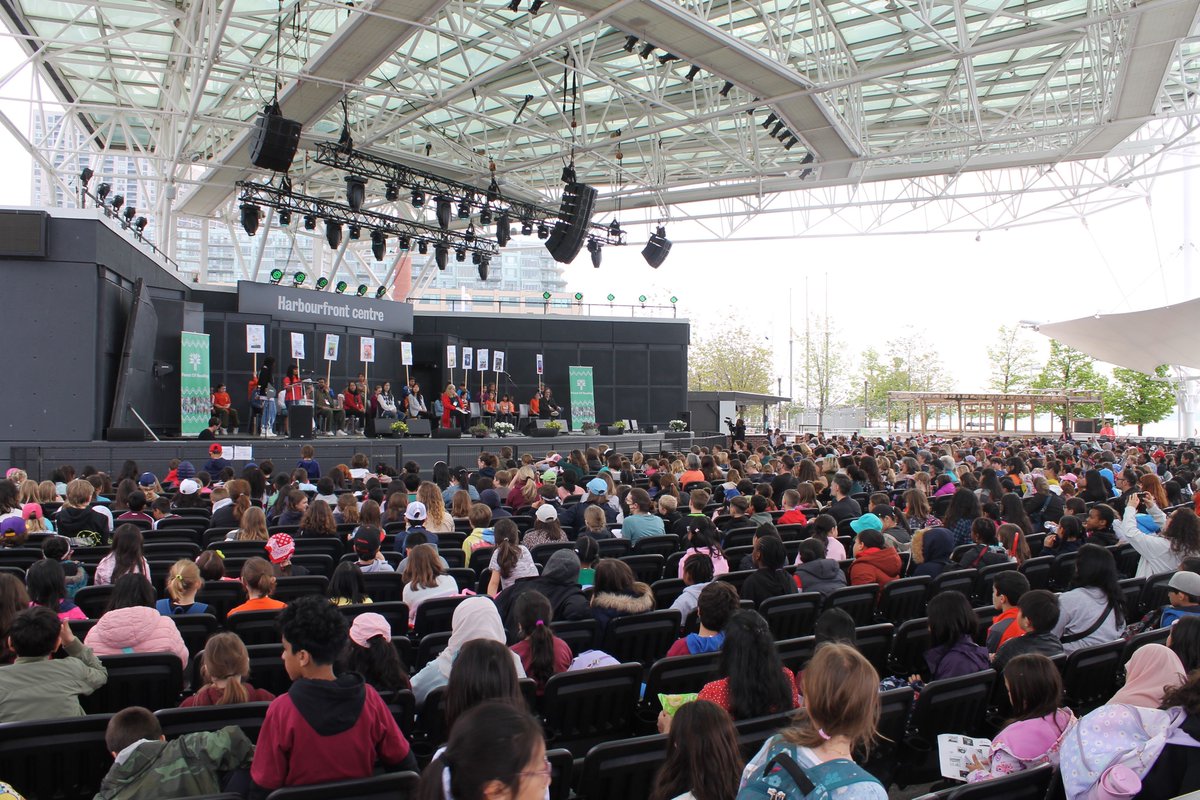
(300, 413)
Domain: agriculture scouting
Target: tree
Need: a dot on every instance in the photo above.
(1068, 369)
(825, 370)
(876, 377)
(1136, 398)
(915, 365)
(1013, 364)
(731, 361)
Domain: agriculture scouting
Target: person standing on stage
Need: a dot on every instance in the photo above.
(266, 392)
(291, 392)
(449, 403)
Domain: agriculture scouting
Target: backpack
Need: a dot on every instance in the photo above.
(782, 778)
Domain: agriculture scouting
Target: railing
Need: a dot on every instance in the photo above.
(546, 307)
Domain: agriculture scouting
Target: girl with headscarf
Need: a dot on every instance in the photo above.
(474, 618)
(1152, 671)
(936, 546)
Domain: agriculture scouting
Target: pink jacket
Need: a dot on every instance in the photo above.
(136, 630)
(104, 569)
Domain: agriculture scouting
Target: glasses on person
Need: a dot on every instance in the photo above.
(544, 773)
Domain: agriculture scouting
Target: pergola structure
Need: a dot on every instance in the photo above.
(987, 412)
(890, 115)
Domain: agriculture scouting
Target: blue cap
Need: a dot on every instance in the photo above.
(597, 486)
(147, 479)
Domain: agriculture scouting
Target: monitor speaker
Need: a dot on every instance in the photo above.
(447, 433)
(274, 141)
(418, 427)
(567, 237)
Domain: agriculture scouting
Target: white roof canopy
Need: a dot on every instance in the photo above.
(1140, 340)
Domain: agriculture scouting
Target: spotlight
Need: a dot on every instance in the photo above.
(503, 230)
(630, 41)
(775, 131)
(102, 191)
(118, 201)
(476, 257)
(322, 283)
(667, 58)
(790, 143)
(693, 71)
(422, 247)
(440, 254)
(726, 88)
(485, 216)
(579, 297)
(656, 250)
(614, 229)
(647, 49)
(341, 287)
(381, 292)
(769, 121)
(85, 176)
(130, 213)
(460, 254)
(356, 191)
(391, 192)
(593, 247)
(543, 231)
(250, 217)
(333, 233)
(464, 209)
(355, 231)
(362, 290)
(515, 5)
(298, 279)
(526, 227)
(139, 224)
(493, 190)
(285, 217)
(378, 244)
(404, 242)
(443, 212)
(534, 8)
(418, 198)
(310, 222)
(276, 276)
(469, 234)
(568, 173)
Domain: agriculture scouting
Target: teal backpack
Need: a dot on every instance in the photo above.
(782, 778)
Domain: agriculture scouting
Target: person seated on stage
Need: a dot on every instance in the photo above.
(462, 411)
(488, 399)
(355, 405)
(549, 407)
(328, 408)
(535, 405)
(214, 425)
(385, 402)
(414, 404)
(463, 392)
(222, 406)
(505, 411)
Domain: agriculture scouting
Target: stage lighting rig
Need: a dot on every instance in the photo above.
(526, 227)
(117, 202)
(726, 88)
(139, 225)
(129, 213)
(460, 254)
(692, 72)
(340, 288)
(250, 217)
(423, 247)
(378, 244)
(630, 42)
(322, 283)
(276, 276)
(381, 292)
(356, 191)
(310, 222)
(440, 254)
(362, 290)
(418, 198)
(333, 233)
(484, 263)
(285, 217)
(647, 49)
(102, 192)
(298, 279)
(355, 232)
(391, 192)
(594, 250)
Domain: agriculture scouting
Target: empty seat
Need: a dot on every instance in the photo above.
(904, 599)
(430, 647)
(1030, 784)
(791, 616)
(541, 553)
(894, 708)
(169, 551)
(582, 709)
(875, 642)
(678, 675)
(195, 629)
(266, 668)
(384, 586)
(290, 587)
(254, 627)
(647, 567)
(662, 545)
(736, 578)
(959, 580)
(909, 643)
(1090, 675)
(153, 680)
(667, 591)
(857, 601)
(389, 786)
(753, 733)
(614, 548)
(580, 635)
(643, 638)
(622, 770)
(93, 600)
(795, 653)
(1038, 571)
(221, 596)
(64, 759)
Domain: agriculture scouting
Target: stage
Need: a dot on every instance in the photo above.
(39, 459)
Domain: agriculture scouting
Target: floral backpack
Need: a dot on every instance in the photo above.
(780, 777)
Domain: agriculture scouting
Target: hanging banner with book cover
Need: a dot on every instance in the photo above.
(583, 400)
(195, 394)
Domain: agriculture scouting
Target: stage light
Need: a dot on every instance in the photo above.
(418, 198)
(770, 120)
(356, 191)
(341, 287)
(362, 290)
(333, 233)
(775, 131)
(674, 299)
(404, 242)
(285, 217)
(484, 263)
(614, 229)
(102, 191)
(485, 216)
(579, 297)
(440, 253)
(526, 227)
(647, 49)
(118, 201)
(534, 8)
(140, 224)
(276, 276)
(630, 42)
(443, 212)
(460, 254)
(656, 250)
(641, 298)
(593, 247)
(322, 283)
(378, 244)
(503, 230)
(476, 257)
(130, 213)
(790, 143)
(611, 297)
(464, 209)
(391, 192)
(355, 231)
(515, 5)
(568, 173)
(85, 176)
(693, 72)
(667, 58)
(310, 222)
(381, 293)
(298, 279)
(250, 218)
(726, 88)
(543, 230)
(469, 234)
(423, 247)
(493, 190)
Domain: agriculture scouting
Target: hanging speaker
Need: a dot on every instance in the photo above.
(275, 140)
(656, 250)
(570, 231)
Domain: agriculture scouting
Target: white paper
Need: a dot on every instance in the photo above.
(298, 346)
(467, 357)
(540, 364)
(482, 360)
(498, 361)
(956, 753)
(243, 453)
(406, 354)
(256, 339)
(366, 349)
(331, 346)
(451, 356)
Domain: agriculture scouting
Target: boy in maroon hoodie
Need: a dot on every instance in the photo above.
(327, 727)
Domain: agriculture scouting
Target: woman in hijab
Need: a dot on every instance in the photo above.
(936, 546)
(1152, 670)
(474, 618)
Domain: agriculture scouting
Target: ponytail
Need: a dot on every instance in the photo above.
(534, 615)
(508, 551)
(225, 658)
(240, 506)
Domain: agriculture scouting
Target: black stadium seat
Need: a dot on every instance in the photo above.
(254, 627)
(153, 680)
(62, 759)
(1090, 675)
(857, 601)
(678, 675)
(904, 599)
(643, 638)
(221, 596)
(389, 786)
(435, 616)
(792, 615)
(585, 708)
(622, 769)
(1030, 784)
(247, 716)
(580, 635)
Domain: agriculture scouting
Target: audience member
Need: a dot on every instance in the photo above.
(1151, 672)
(618, 594)
(702, 761)
(425, 579)
(497, 750)
(542, 654)
(1007, 589)
(133, 625)
(1037, 617)
(755, 682)
(224, 668)
(37, 685)
(258, 577)
(126, 556)
(1091, 612)
(952, 624)
(716, 604)
(370, 653)
(474, 618)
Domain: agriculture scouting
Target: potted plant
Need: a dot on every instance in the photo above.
(399, 428)
(678, 425)
(479, 431)
(503, 429)
(589, 428)
(551, 428)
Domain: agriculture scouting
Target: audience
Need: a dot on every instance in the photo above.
(702, 762)
(37, 685)
(370, 653)
(474, 618)
(1037, 617)
(1092, 611)
(617, 593)
(769, 578)
(755, 682)
(224, 668)
(495, 750)
(133, 625)
(542, 654)
(716, 604)
(952, 624)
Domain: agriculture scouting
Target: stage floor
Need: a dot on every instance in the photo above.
(39, 459)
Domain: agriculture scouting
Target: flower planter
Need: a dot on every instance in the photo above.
(609, 430)
(542, 433)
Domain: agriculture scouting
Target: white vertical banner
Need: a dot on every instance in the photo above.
(298, 346)
(256, 339)
(451, 356)
(540, 364)
(406, 354)
(482, 361)
(468, 355)
(332, 340)
(366, 349)
(498, 361)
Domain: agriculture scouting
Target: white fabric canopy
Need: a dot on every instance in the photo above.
(1139, 340)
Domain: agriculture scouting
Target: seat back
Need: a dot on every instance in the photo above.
(875, 642)
(662, 545)
(582, 709)
(64, 759)
(643, 638)
(389, 786)
(290, 587)
(647, 567)
(959, 580)
(541, 553)
(1038, 571)
(221, 596)
(248, 716)
(667, 591)
(93, 600)
(430, 647)
(985, 579)
(791, 616)
(395, 613)
(1064, 571)
(736, 579)
(621, 770)
(152, 680)
(753, 733)
(195, 629)
(254, 627)
(795, 653)
(435, 616)
(904, 599)
(384, 586)
(909, 644)
(1090, 675)
(953, 705)
(562, 766)
(857, 601)
(679, 675)
(266, 668)
(614, 548)
(169, 551)
(580, 635)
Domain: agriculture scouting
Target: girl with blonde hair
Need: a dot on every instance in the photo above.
(436, 518)
(254, 527)
(225, 665)
(183, 582)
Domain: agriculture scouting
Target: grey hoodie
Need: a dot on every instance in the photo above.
(823, 575)
(559, 582)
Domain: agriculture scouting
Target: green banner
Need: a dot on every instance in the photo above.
(195, 394)
(583, 401)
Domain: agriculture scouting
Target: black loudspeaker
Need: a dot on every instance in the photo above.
(275, 140)
(418, 427)
(657, 249)
(300, 421)
(1085, 425)
(125, 434)
(447, 433)
(567, 237)
(686, 416)
(649, 429)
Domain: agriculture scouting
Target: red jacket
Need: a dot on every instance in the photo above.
(354, 401)
(793, 517)
(875, 565)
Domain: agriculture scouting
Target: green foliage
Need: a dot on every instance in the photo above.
(1013, 364)
(1135, 398)
(734, 360)
(823, 367)
(1068, 369)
